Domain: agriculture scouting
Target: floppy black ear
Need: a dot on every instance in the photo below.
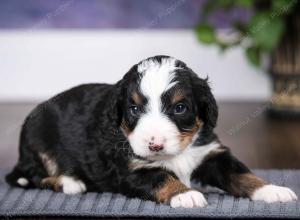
(117, 98)
(115, 102)
(206, 103)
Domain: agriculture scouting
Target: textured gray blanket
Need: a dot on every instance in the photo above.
(19, 202)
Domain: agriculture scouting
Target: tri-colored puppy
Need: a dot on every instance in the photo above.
(147, 136)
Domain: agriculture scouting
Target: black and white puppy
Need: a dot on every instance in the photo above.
(147, 136)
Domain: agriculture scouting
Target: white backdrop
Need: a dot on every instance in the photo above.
(34, 65)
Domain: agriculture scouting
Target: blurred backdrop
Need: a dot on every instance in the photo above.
(49, 46)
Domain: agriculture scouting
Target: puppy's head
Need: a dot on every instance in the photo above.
(165, 107)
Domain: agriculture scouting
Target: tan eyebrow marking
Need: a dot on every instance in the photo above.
(136, 98)
(177, 96)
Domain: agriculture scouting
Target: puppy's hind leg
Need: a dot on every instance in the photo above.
(57, 179)
(18, 178)
(28, 172)
(22, 177)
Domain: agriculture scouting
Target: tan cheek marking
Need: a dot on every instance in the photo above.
(245, 184)
(125, 128)
(170, 188)
(185, 138)
(49, 164)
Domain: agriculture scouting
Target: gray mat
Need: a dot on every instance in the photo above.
(19, 202)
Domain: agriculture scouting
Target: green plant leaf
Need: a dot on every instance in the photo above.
(225, 3)
(266, 30)
(223, 47)
(244, 3)
(206, 33)
(279, 5)
(213, 5)
(253, 55)
(208, 7)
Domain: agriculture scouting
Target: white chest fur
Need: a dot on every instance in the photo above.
(185, 163)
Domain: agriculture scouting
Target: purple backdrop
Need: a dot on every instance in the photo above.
(37, 14)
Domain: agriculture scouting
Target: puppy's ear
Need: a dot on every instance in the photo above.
(118, 97)
(206, 104)
(114, 110)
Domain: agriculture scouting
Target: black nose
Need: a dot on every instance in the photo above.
(156, 147)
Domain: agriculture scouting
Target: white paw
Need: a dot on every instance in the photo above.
(188, 199)
(23, 181)
(271, 193)
(72, 186)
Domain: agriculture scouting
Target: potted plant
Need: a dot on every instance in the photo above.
(273, 28)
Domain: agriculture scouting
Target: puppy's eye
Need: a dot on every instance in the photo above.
(180, 109)
(135, 110)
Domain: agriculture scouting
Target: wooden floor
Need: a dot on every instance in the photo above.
(257, 140)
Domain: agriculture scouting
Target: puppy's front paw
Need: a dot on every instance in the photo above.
(188, 199)
(72, 186)
(271, 193)
(66, 184)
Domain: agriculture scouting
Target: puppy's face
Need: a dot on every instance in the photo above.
(161, 114)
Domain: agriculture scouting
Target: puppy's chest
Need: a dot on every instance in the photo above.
(184, 164)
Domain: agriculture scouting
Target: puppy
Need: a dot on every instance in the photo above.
(147, 136)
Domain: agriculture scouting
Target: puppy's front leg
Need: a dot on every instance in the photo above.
(226, 172)
(162, 187)
(178, 195)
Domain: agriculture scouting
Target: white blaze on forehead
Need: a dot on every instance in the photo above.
(157, 78)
